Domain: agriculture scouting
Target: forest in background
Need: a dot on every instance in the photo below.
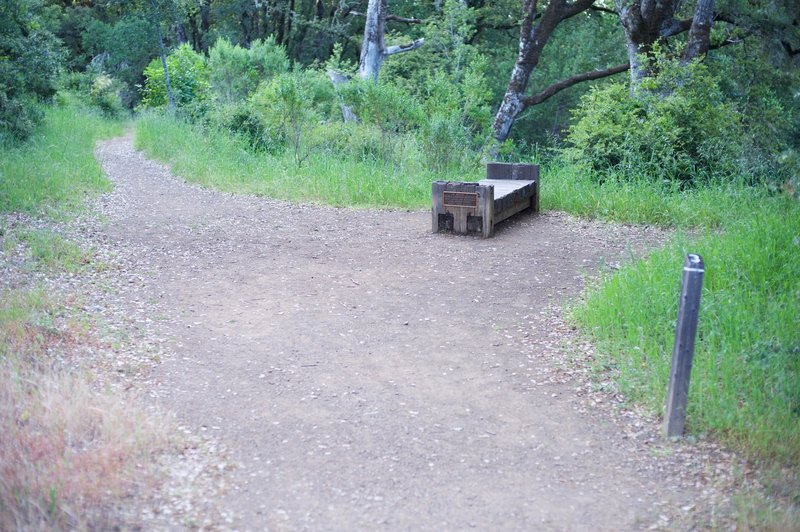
(712, 93)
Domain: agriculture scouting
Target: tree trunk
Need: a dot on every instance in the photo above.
(699, 39)
(369, 64)
(347, 112)
(532, 40)
(289, 18)
(205, 24)
(157, 25)
(279, 22)
(373, 49)
(646, 22)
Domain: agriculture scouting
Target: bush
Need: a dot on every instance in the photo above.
(104, 95)
(443, 140)
(18, 118)
(385, 105)
(188, 75)
(245, 120)
(123, 49)
(235, 72)
(230, 75)
(678, 127)
(287, 107)
(29, 61)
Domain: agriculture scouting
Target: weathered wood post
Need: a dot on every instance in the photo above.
(683, 351)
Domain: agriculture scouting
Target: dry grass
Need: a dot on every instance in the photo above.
(69, 454)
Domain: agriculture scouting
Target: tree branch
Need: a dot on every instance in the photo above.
(726, 42)
(554, 89)
(399, 49)
(603, 10)
(395, 18)
(676, 27)
(789, 50)
(578, 6)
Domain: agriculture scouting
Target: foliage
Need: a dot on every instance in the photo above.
(188, 74)
(215, 158)
(389, 107)
(55, 168)
(30, 56)
(677, 128)
(287, 103)
(105, 96)
(123, 48)
(235, 72)
(584, 43)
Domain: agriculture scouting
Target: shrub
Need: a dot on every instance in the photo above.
(443, 140)
(235, 72)
(104, 94)
(268, 58)
(678, 127)
(188, 75)
(245, 120)
(29, 61)
(389, 107)
(18, 118)
(122, 49)
(286, 104)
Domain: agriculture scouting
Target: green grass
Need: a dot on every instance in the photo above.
(48, 249)
(566, 188)
(746, 377)
(216, 159)
(53, 171)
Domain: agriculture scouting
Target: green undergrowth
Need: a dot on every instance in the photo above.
(48, 249)
(745, 385)
(216, 159)
(53, 171)
(566, 188)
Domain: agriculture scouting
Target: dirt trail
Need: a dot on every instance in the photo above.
(367, 374)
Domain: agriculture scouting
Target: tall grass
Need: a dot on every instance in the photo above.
(746, 379)
(54, 170)
(566, 187)
(216, 159)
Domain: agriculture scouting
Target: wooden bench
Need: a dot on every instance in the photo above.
(465, 208)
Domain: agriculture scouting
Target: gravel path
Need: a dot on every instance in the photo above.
(366, 374)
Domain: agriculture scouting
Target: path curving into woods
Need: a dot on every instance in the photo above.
(366, 374)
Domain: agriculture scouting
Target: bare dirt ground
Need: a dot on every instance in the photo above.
(365, 374)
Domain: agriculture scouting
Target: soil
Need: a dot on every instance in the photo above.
(365, 374)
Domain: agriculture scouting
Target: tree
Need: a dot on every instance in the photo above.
(29, 60)
(535, 32)
(373, 49)
(157, 25)
(647, 22)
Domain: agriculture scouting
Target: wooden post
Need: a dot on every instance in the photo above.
(683, 351)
